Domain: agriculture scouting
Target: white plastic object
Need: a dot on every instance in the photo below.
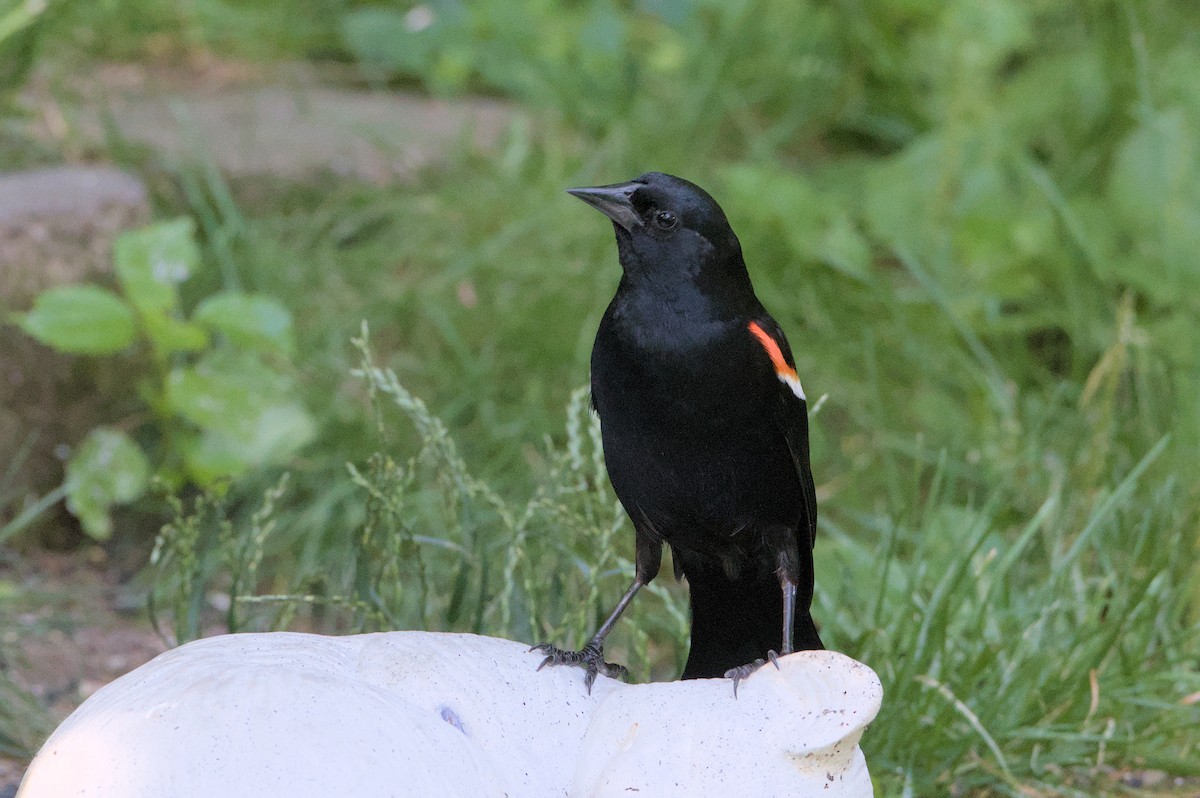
(427, 714)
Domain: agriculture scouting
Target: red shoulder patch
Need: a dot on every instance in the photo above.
(783, 370)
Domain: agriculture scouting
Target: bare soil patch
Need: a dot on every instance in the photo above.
(73, 627)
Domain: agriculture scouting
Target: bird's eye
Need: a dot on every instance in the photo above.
(665, 220)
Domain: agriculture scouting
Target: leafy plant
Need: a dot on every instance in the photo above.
(216, 394)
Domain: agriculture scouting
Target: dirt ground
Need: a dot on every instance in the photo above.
(72, 627)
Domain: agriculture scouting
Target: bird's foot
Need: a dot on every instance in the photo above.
(590, 658)
(742, 671)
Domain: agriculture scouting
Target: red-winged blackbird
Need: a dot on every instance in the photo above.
(705, 431)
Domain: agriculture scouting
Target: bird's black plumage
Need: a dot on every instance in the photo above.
(705, 429)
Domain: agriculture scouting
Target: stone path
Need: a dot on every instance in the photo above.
(291, 125)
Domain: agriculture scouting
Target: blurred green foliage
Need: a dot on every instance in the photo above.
(978, 223)
(1029, 168)
(215, 390)
(20, 24)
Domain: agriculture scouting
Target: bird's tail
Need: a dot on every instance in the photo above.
(736, 621)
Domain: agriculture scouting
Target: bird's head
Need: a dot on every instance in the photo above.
(668, 228)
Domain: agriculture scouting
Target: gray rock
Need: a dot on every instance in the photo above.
(57, 226)
(80, 192)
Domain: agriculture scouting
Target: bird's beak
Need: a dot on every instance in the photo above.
(615, 202)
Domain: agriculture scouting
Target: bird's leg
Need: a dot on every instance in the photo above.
(606, 627)
(789, 614)
(591, 656)
(787, 571)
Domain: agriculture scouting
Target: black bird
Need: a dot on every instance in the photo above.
(705, 431)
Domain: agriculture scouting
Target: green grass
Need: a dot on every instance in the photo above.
(975, 221)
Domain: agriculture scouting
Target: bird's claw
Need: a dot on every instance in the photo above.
(590, 658)
(742, 671)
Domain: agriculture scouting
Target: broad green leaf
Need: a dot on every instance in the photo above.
(169, 334)
(212, 456)
(278, 431)
(392, 40)
(151, 262)
(792, 210)
(672, 12)
(247, 320)
(246, 412)
(843, 247)
(1053, 102)
(1155, 186)
(603, 33)
(81, 319)
(902, 202)
(1153, 166)
(983, 34)
(224, 391)
(107, 468)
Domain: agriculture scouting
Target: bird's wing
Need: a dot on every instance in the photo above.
(793, 415)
